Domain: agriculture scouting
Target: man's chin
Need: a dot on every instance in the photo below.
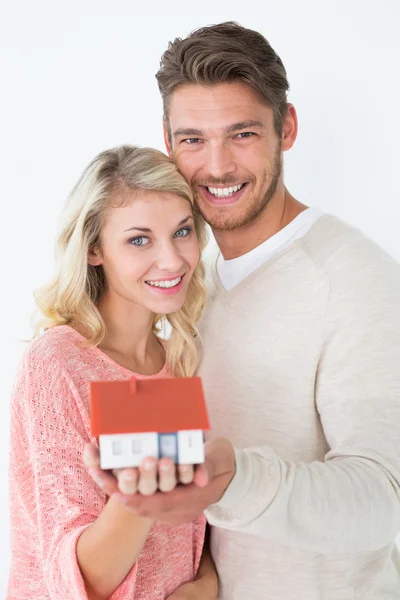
(225, 216)
(224, 222)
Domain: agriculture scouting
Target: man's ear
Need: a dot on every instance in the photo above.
(290, 128)
(95, 257)
(167, 141)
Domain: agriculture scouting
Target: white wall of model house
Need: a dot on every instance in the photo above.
(118, 451)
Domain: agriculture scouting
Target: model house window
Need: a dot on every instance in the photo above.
(168, 445)
(136, 447)
(190, 443)
(116, 447)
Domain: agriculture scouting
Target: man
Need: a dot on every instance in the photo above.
(301, 347)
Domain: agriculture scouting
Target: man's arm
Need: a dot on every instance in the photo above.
(351, 501)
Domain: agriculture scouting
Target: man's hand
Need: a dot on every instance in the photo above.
(181, 505)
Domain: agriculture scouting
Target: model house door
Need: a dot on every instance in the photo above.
(168, 445)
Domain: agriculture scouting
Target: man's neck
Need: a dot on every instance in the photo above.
(277, 214)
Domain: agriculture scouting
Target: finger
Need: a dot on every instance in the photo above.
(91, 456)
(202, 475)
(219, 462)
(185, 473)
(166, 475)
(128, 481)
(147, 484)
(105, 480)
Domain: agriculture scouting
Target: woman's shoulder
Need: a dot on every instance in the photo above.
(53, 350)
(45, 398)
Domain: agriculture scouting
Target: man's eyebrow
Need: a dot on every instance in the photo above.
(183, 131)
(147, 230)
(249, 123)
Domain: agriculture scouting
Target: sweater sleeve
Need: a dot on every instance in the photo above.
(351, 501)
(48, 478)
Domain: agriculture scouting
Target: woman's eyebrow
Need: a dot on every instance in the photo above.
(147, 230)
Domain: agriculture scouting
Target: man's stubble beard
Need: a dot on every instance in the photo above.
(257, 206)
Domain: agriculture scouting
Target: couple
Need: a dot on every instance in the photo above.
(298, 349)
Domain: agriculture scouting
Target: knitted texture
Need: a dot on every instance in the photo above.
(52, 497)
(301, 371)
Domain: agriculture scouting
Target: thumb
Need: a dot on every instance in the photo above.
(219, 460)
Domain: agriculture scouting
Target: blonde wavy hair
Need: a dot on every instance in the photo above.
(72, 294)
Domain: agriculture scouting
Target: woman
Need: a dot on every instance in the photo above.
(128, 253)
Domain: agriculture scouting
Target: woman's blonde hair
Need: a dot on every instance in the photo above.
(72, 294)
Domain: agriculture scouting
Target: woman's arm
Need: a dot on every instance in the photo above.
(207, 573)
(86, 545)
(107, 549)
(205, 585)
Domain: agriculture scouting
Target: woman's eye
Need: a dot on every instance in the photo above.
(183, 232)
(139, 241)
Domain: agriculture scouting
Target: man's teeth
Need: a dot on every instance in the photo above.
(165, 284)
(225, 192)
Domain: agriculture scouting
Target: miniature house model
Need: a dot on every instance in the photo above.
(135, 418)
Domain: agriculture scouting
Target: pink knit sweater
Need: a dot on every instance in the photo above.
(52, 497)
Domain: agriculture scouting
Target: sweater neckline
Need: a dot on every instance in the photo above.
(266, 266)
(163, 372)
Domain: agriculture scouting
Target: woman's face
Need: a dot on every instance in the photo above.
(149, 250)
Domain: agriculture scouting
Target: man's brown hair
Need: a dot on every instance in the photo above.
(225, 53)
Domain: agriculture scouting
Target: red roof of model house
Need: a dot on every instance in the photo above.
(147, 405)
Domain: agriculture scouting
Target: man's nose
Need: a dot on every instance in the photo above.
(219, 162)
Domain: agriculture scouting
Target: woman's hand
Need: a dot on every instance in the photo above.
(194, 590)
(151, 476)
(205, 586)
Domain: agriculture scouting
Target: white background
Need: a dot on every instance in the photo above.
(78, 77)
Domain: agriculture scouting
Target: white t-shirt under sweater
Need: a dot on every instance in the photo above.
(231, 272)
(301, 370)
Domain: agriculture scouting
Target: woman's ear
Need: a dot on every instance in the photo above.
(95, 257)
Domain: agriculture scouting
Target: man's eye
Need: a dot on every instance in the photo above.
(245, 134)
(183, 232)
(191, 140)
(139, 241)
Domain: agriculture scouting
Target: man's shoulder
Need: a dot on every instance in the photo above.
(353, 262)
(339, 246)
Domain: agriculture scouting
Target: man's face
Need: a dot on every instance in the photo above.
(225, 145)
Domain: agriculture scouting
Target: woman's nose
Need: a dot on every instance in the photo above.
(170, 259)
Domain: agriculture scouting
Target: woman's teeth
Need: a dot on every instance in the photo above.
(225, 192)
(165, 284)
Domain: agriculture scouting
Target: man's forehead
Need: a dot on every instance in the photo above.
(217, 106)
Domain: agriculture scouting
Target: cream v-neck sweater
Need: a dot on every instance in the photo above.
(301, 370)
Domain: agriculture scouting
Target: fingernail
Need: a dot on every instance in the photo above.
(148, 465)
(164, 467)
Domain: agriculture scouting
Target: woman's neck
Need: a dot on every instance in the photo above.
(130, 339)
